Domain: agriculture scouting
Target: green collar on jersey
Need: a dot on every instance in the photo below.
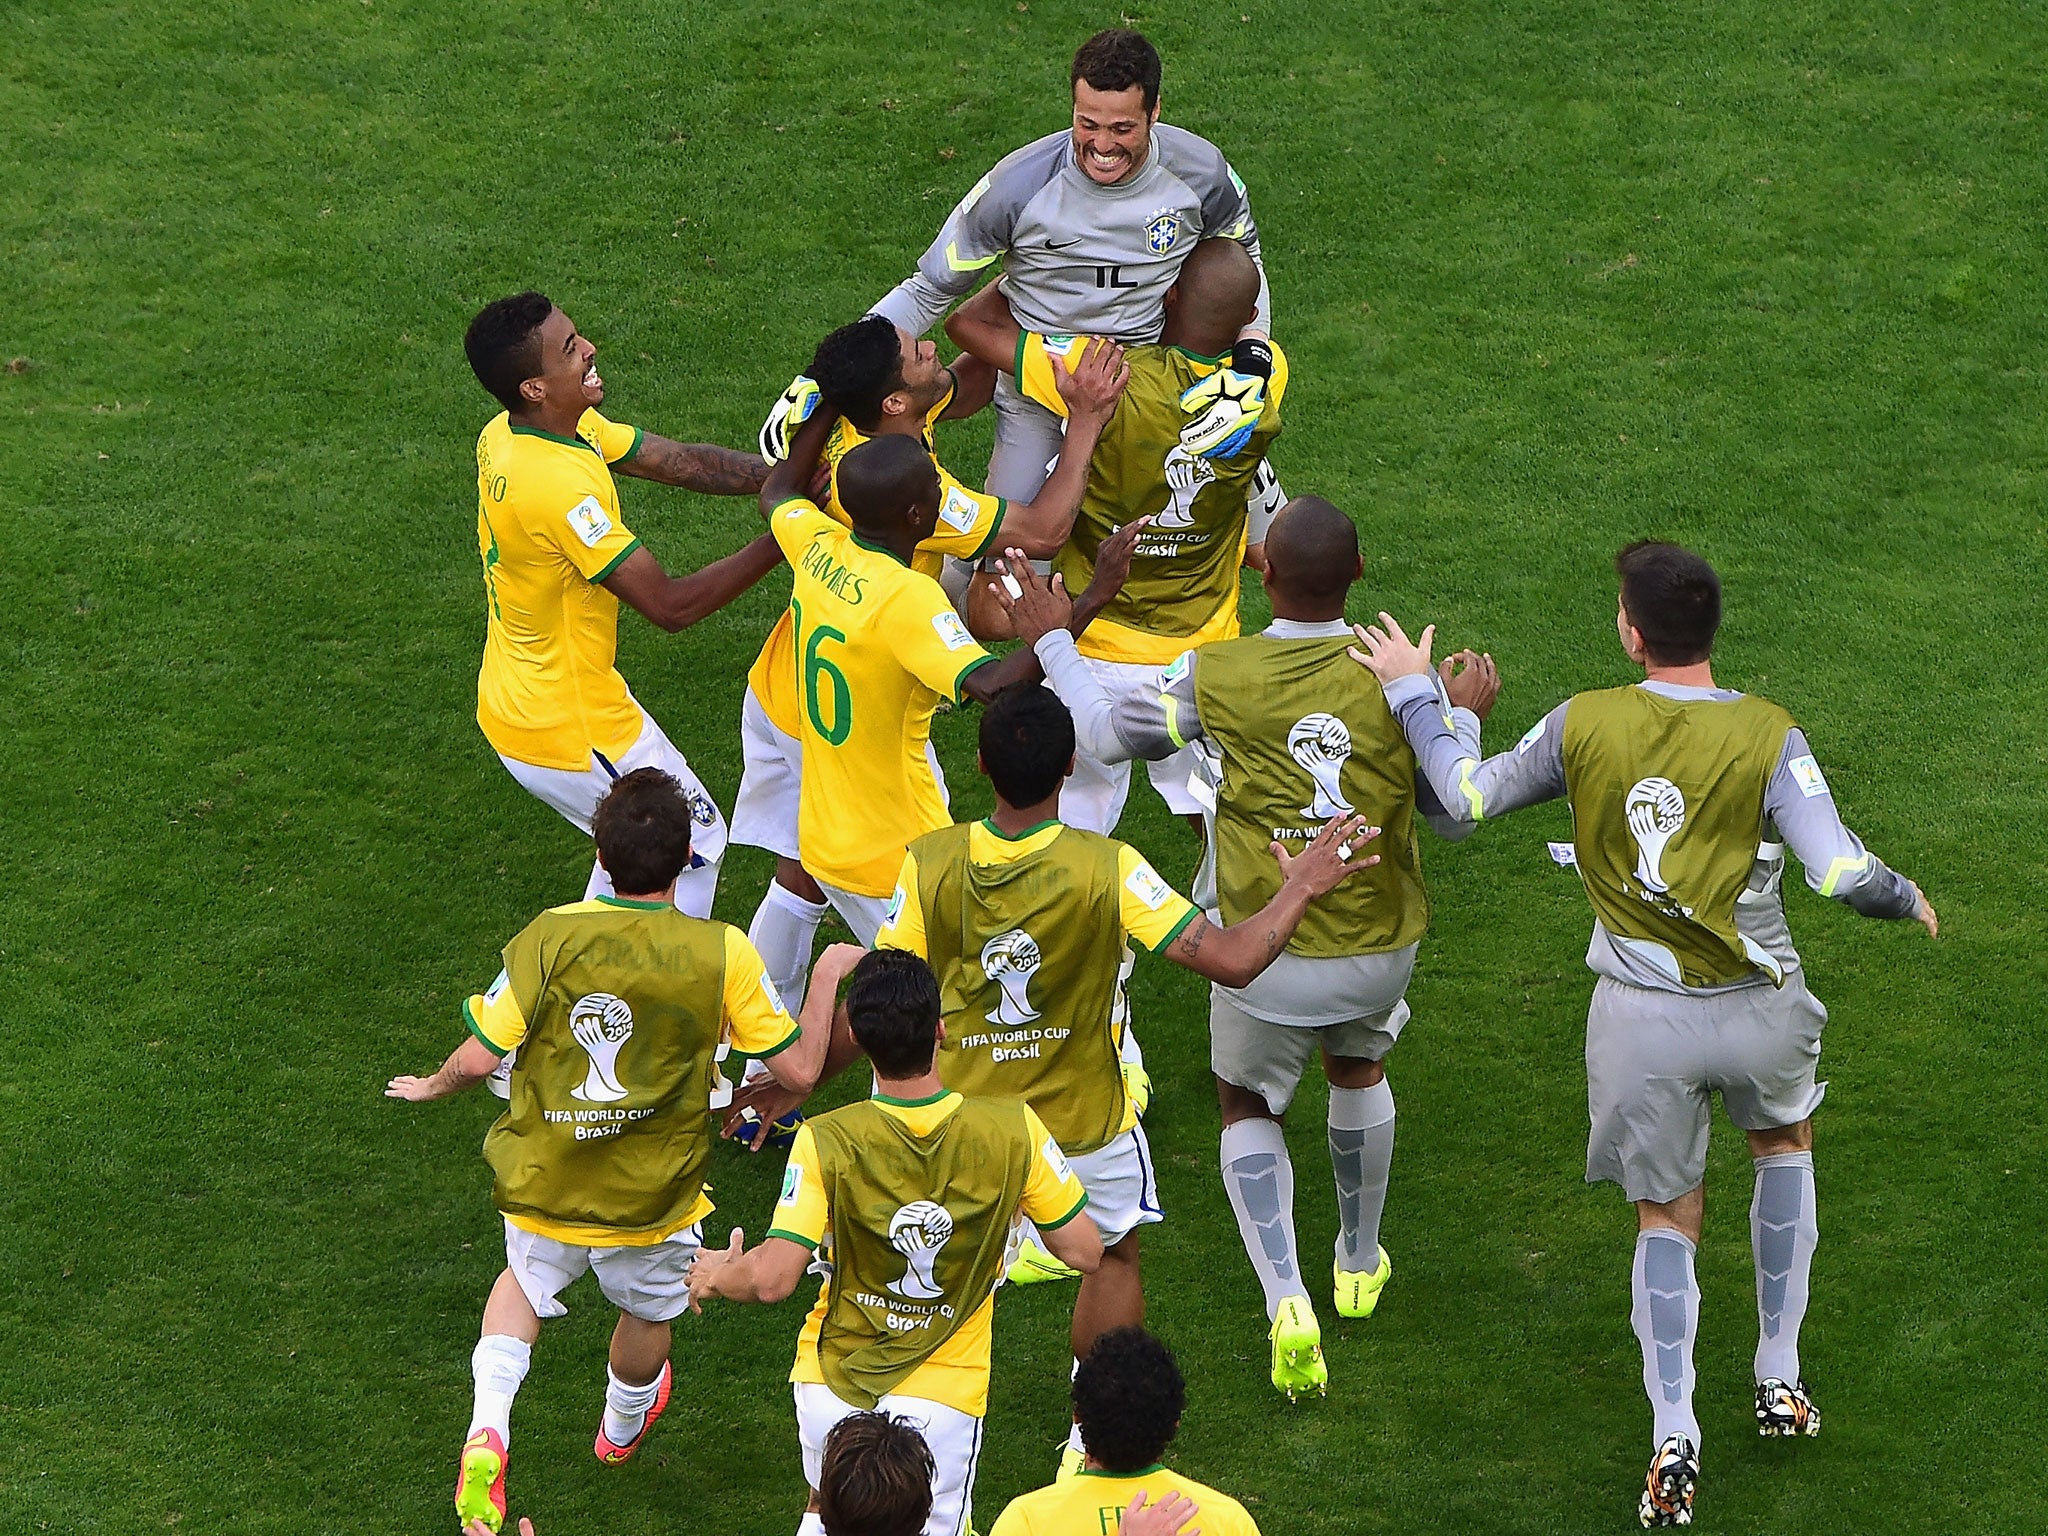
(1212, 362)
(1017, 837)
(638, 906)
(880, 549)
(930, 1098)
(566, 442)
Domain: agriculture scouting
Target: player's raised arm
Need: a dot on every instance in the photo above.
(677, 602)
(1051, 608)
(1236, 955)
(985, 328)
(792, 477)
(704, 467)
(973, 239)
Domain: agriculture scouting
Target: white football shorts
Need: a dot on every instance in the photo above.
(650, 1283)
(954, 1438)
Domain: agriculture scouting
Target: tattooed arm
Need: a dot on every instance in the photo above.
(1234, 956)
(702, 467)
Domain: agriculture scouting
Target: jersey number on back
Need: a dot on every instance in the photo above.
(815, 667)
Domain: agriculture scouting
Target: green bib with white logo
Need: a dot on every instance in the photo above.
(1306, 736)
(1667, 803)
(919, 1225)
(1029, 954)
(608, 1123)
(1186, 563)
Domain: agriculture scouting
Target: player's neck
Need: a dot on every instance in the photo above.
(1016, 820)
(925, 1085)
(1699, 674)
(1297, 612)
(1198, 343)
(665, 897)
(555, 420)
(899, 541)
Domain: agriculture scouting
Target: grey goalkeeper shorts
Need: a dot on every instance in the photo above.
(1655, 1059)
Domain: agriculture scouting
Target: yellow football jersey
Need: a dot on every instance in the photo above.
(1092, 1504)
(956, 1374)
(549, 531)
(878, 646)
(967, 526)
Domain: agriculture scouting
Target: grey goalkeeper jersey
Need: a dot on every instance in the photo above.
(1079, 257)
(1799, 813)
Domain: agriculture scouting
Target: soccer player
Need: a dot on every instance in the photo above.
(886, 383)
(1182, 590)
(1091, 224)
(1303, 741)
(878, 646)
(1128, 1398)
(617, 1006)
(558, 559)
(1684, 796)
(912, 1193)
(1029, 925)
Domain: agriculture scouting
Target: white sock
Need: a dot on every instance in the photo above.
(1361, 1156)
(812, 1524)
(626, 1406)
(1666, 1317)
(783, 930)
(1259, 1179)
(1784, 1229)
(697, 889)
(497, 1365)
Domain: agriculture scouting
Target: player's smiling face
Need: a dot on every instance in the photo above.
(568, 364)
(1112, 132)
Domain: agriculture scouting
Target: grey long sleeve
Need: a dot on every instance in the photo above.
(1802, 808)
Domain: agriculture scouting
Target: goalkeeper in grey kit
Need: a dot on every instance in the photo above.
(1091, 225)
(1685, 797)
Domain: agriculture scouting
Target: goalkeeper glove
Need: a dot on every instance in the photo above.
(1224, 408)
(791, 411)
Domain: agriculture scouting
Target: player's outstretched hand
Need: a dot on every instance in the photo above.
(1471, 681)
(1389, 653)
(792, 408)
(414, 1090)
(1925, 915)
(1113, 558)
(1095, 384)
(1036, 607)
(1329, 857)
(710, 1265)
(1168, 1517)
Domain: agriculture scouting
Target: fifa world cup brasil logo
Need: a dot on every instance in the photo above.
(1656, 810)
(1010, 960)
(601, 1024)
(918, 1231)
(1322, 744)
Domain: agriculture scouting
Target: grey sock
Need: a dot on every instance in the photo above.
(1784, 1229)
(1361, 1128)
(1258, 1177)
(1666, 1317)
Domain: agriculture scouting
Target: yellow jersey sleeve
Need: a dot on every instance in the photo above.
(932, 643)
(1154, 913)
(1033, 369)
(801, 1209)
(794, 523)
(495, 1017)
(1015, 1520)
(903, 926)
(755, 1020)
(616, 441)
(592, 539)
(1053, 1196)
(968, 519)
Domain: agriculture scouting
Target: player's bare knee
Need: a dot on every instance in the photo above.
(1686, 1214)
(794, 878)
(1781, 1139)
(1242, 1104)
(1353, 1071)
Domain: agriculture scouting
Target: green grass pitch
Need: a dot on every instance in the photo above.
(1764, 278)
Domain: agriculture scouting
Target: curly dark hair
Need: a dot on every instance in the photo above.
(642, 828)
(859, 366)
(1128, 1399)
(503, 343)
(875, 1478)
(1027, 743)
(1117, 59)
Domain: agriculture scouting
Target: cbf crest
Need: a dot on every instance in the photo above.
(1162, 232)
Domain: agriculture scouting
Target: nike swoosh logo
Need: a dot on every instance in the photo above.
(1061, 245)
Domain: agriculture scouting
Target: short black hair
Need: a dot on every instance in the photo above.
(878, 481)
(1128, 1398)
(1673, 598)
(642, 827)
(503, 343)
(875, 1478)
(1312, 550)
(859, 366)
(1116, 59)
(892, 1003)
(1027, 743)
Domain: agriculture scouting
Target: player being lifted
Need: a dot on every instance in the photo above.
(1183, 586)
(886, 384)
(1029, 923)
(1091, 225)
(558, 559)
(1300, 742)
(912, 1194)
(616, 1006)
(1684, 796)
